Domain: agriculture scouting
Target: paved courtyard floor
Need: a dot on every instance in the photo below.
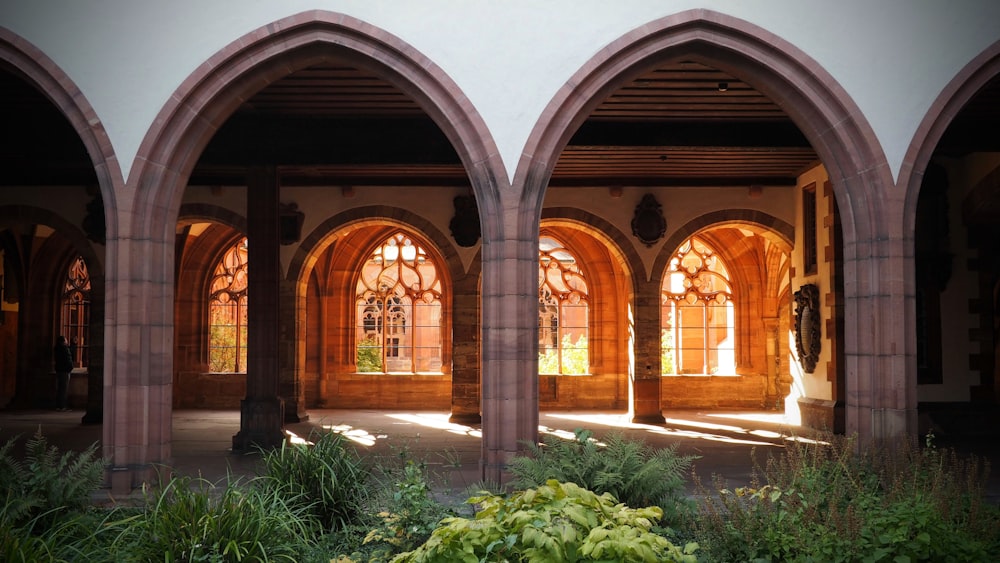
(727, 442)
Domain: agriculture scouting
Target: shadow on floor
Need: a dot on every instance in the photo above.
(726, 442)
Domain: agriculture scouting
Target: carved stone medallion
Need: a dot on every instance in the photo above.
(807, 326)
(648, 224)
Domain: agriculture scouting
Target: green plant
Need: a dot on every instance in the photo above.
(575, 357)
(70, 536)
(406, 519)
(193, 520)
(835, 501)
(46, 482)
(324, 475)
(632, 471)
(554, 522)
(369, 355)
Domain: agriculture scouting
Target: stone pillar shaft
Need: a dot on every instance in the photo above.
(262, 411)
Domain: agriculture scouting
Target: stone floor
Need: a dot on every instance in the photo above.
(726, 442)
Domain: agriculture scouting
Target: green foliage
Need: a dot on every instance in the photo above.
(72, 536)
(824, 502)
(630, 470)
(575, 358)
(406, 517)
(667, 352)
(554, 522)
(326, 477)
(192, 520)
(369, 356)
(223, 346)
(47, 482)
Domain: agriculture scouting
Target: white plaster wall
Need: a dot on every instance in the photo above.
(128, 56)
(815, 385)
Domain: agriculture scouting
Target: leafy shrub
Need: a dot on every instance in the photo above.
(630, 470)
(369, 357)
(47, 482)
(554, 522)
(406, 512)
(325, 476)
(829, 503)
(192, 520)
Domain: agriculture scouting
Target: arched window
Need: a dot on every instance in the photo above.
(76, 310)
(697, 317)
(227, 312)
(398, 301)
(563, 311)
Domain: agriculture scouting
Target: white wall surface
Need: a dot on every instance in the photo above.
(893, 57)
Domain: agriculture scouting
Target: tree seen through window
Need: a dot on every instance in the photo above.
(563, 311)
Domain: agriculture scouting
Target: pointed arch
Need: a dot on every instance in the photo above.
(38, 69)
(846, 144)
(203, 102)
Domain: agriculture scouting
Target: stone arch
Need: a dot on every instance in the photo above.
(193, 212)
(917, 160)
(778, 230)
(608, 262)
(836, 129)
(203, 102)
(37, 68)
(303, 277)
(815, 102)
(77, 243)
(939, 116)
(169, 151)
(621, 243)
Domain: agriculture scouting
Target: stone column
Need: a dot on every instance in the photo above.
(137, 431)
(466, 359)
(509, 337)
(881, 402)
(291, 389)
(262, 411)
(647, 378)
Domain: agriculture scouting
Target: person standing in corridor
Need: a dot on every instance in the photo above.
(64, 365)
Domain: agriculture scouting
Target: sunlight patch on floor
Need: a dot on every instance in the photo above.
(356, 435)
(438, 421)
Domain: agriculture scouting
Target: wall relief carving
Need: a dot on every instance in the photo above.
(464, 225)
(807, 329)
(648, 224)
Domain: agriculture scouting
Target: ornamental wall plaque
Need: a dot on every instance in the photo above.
(807, 331)
(648, 224)
(465, 224)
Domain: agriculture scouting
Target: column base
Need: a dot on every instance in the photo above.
(820, 414)
(465, 418)
(646, 407)
(261, 424)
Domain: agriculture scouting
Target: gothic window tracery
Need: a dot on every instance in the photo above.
(697, 314)
(563, 311)
(76, 310)
(398, 300)
(227, 312)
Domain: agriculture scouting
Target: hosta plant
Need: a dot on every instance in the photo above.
(554, 522)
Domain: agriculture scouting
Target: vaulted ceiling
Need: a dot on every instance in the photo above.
(682, 124)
